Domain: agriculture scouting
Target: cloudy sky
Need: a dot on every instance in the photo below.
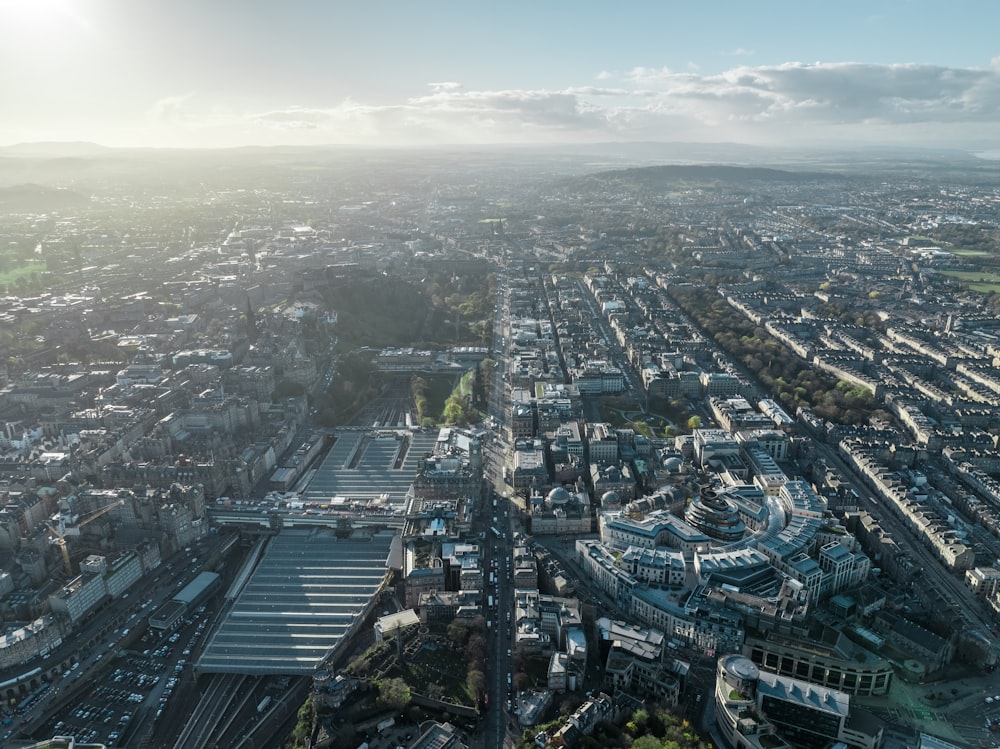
(422, 72)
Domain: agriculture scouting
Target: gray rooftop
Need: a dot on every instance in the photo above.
(302, 599)
(190, 592)
(367, 465)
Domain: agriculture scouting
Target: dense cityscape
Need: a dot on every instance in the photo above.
(318, 447)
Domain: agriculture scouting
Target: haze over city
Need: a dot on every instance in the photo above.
(228, 73)
(398, 375)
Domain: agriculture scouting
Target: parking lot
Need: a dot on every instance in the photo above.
(111, 705)
(134, 686)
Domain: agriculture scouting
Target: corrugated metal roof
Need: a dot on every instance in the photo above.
(304, 597)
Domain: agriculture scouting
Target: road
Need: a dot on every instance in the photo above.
(498, 550)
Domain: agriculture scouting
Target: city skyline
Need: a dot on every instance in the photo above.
(193, 74)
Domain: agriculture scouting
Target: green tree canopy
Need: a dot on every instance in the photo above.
(393, 693)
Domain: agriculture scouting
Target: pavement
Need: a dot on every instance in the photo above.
(957, 717)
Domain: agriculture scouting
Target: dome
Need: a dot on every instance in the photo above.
(611, 498)
(559, 496)
(742, 667)
(673, 463)
(637, 508)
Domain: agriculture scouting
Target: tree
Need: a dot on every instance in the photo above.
(418, 386)
(458, 633)
(305, 721)
(359, 666)
(454, 410)
(570, 704)
(475, 650)
(694, 422)
(476, 682)
(640, 427)
(647, 742)
(393, 693)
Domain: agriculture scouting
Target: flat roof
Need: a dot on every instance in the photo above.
(370, 465)
(167, 613)
(389, 623)
(304, 597)
(190, 592)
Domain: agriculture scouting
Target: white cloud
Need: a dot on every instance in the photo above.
(604, 75)
(648, 74)
(170, 109)
(294, 118)
(777, 103)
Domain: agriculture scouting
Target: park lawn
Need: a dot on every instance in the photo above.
(611, 416)
(977, 276)
(984, 288)
(971, 253)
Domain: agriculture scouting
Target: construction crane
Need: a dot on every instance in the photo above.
(60, 531)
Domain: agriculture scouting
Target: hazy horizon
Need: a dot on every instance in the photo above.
(390, 74)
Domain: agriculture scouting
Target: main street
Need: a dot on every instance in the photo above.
(495, 523)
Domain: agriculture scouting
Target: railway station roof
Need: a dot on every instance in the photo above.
(309, 591)
(380, 464)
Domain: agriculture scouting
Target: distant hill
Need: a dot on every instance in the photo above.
(38, 199)
(92, 169)
(663, 176)
(55, 149)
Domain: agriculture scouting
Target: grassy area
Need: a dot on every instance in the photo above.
(464, 387)
(611, 415)
(436, 391)
(984, 288)
(14, 275)
(977, 276)
(971, 253)
(439, 389)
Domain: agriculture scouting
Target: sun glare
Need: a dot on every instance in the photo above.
(34, 20)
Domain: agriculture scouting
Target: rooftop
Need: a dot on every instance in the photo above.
(303, 598)
(370, 465)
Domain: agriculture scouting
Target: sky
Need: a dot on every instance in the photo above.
(220, 73)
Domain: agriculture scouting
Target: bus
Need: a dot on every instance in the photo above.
(495, 531)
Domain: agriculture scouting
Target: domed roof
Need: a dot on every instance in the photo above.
(672, 463)
(559, 496)
(611, 497)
